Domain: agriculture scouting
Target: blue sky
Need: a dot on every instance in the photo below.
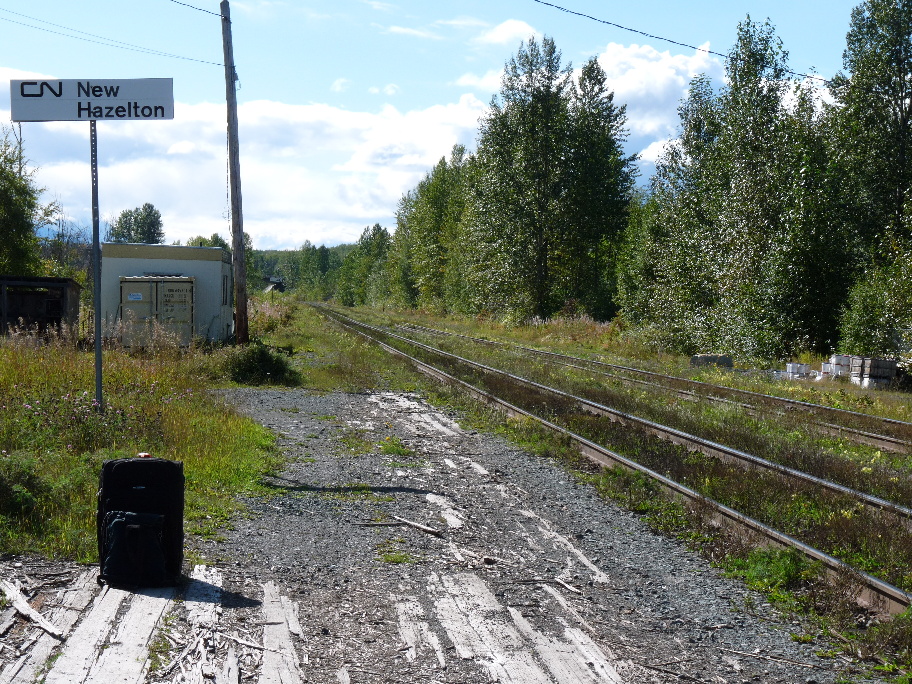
(345, 104)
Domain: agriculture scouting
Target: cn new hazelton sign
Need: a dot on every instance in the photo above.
(93, 100)
(122, 99)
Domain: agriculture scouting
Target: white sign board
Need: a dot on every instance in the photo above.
(121, 99)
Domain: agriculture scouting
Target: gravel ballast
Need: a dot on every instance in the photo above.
(530, 577)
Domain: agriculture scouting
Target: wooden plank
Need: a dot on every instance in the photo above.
(72, 602)
(414, 630)
(478, 628)
(575, 661)
(291, 615)
(83, 645)
(562, 543)
(203, 596)
(126, 658)
(447, 512)
(280, 660)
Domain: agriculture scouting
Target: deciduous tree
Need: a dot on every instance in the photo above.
(21, 212)
(873, 121)
(739, 242)
(143, 224)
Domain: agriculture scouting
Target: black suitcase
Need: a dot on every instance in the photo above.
(141, 522)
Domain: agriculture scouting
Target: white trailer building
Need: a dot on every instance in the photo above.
(186, 289)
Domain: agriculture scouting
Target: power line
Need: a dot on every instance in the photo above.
(626, 28)
(101, 40)
(198, 9)
(665, 40)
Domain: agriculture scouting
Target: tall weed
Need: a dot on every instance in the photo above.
(53, 439)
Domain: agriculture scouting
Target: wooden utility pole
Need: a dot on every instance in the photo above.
(234, 181)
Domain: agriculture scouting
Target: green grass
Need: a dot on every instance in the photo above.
(355, 442)
(393, 446)
(159, 647)
(326, 357)
(396, 557)
(773, 571)
(53, 441)
(614, 343)
(389, 551)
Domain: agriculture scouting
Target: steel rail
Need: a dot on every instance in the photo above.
(695, 443)
(874, 593)
(859, 436)
(893, 444)
(867, 437)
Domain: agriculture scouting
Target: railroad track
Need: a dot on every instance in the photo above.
(873, 592)
(900, 441)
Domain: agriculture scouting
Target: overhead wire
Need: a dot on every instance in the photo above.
(667, 40)
(94, 38)
(198, 9)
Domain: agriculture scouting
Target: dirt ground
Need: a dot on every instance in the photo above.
(400, 547)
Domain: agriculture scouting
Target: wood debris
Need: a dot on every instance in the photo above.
(418, 526)
(19, 602)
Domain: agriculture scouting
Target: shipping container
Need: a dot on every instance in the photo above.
(146, 302)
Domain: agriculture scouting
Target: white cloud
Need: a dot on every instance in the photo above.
(654, 150)
(507, 33)
(652, 83)
(389, 89)
(490, 82)
(412, 142)
(309, 172)
(339, 85)
(314, 172)
(417, 33)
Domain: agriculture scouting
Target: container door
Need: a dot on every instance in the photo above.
(175, 309)
(137, 312)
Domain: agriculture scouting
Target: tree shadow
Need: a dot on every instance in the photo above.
(343, 490)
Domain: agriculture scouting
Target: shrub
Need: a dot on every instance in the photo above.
(20, 485)
(257, 364)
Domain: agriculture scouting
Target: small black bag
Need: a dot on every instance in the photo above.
(141, 522)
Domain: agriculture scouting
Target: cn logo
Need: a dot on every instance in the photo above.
(36, 89)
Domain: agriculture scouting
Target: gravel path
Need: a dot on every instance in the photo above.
(460, 559)
(531, 576)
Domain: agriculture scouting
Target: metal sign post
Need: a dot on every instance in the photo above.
(89, 100)
(96, 266)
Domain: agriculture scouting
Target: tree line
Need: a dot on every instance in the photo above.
(777, 221)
